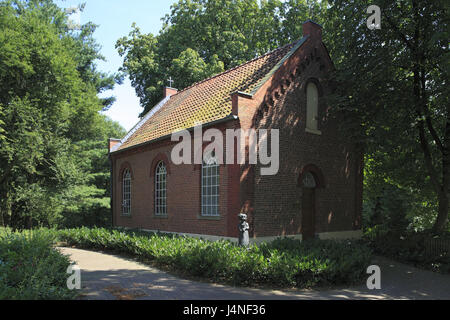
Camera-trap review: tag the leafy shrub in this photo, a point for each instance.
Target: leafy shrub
(87, 212)
(389, 207)
(407, 246)
(30, 268)
(283, 263)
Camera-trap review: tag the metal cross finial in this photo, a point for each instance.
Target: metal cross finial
(170, 82)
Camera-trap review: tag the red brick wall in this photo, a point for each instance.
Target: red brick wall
(277, 199)
(183, 193)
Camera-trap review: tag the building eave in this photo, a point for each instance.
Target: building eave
(204, 125)
(147, 117)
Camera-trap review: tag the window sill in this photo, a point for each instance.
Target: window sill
(200, 217)
(125, 215)
(161, 216)
(313, 131)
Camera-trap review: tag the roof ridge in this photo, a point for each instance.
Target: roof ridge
(208, 100)
(234, 68)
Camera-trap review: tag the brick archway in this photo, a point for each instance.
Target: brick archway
(159, 157)
(125, 165)
(201, 149)
(316, 82)
(316, 172)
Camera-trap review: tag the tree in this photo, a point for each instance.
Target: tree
(392, 84)
(200, 38)
(189, 67)
(51, 130)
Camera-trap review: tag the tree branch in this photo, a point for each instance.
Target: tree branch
(427, 115)
(402, 35)
(428, 158)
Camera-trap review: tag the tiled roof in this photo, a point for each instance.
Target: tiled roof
(208, 100)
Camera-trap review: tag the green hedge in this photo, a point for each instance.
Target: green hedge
(30, 268)
(282, 263)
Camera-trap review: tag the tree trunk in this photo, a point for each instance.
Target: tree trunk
(441, 187)
(4, 209)
(443, 196)
(441, 219)
(419, 91)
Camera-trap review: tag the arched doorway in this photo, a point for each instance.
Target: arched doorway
(309, 185)
(309, 180)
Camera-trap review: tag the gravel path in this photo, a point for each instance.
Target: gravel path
(109, 277)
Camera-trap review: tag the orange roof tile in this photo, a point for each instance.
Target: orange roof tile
(208, 100)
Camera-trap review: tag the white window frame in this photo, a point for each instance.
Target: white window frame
(161, 189)
(210, 186)
(126, 192)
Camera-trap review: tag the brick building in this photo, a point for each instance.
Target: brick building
(317, 190)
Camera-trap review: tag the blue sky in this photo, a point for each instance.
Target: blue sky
(114, 18)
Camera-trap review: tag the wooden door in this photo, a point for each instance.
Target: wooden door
(308, 206)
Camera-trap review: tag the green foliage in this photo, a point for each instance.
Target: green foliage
(30, 269)
(395, 205)
(190, 67)
(53, 152)
(283, 263)
(393, 99)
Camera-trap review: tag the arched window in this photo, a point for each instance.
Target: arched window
(126, 192)
(210, 186)
(309, 181)
(312, 107)
(161, 189)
